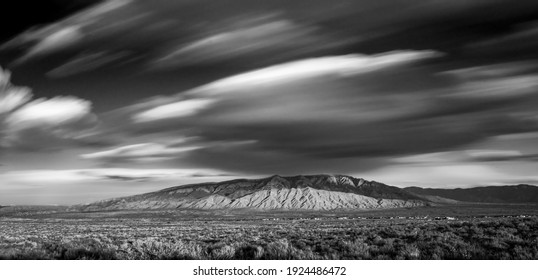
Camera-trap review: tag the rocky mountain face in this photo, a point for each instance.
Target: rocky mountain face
(315, 192)
(491, 194)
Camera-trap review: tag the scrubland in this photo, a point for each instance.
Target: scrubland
(210, 235)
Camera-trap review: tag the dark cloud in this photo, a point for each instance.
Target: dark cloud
(502, 156)
(290, 86)
(334, 113)
(250, 159)
(127, 178)
(252, 38)
(172, 34)
(161, 47)
(468, 156)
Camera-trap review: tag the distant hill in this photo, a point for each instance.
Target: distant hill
(490, 194)
(32, 208)
(313, 192)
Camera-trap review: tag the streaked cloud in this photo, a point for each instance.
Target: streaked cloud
(499, 88)
(465, 156)
(342, 66)
(101, 10)
(338, 107)
(140, 152)
(174, 110)
(492, 153)
(518, 136)
(523, 37)
(11, 97)
(47, 123)
(429, 158)
(65, 34)
(72, 186)
(453, 175)
(500, 155)
(86, 62)
(40, 123)
(252, 37)
(46, 176)
(59, 40)
(268, 80)
(438, 92)
(50, 112)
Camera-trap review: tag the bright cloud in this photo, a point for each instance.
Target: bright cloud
(174, 110)
(53, 112)
(11, 96)
(358, 106)
(289, 87)
(346, 65)
(41, 123)
(276, 99)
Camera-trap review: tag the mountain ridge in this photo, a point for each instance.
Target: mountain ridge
(520, 193)
(309, 192)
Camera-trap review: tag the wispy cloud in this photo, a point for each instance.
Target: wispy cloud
(252, 37)
(57, 41)
(339, 66)
(140, 152)
(174, 110)
(265, 87)
(40, 123)
(45, 177)
(11, 97)
(86, 62)
(523, 37)
(466, 156)
(457, 174)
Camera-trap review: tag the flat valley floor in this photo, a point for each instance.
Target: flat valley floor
(476, 231)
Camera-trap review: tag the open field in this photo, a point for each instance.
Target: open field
(447, 232)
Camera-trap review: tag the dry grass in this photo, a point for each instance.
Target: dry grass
(113, 237)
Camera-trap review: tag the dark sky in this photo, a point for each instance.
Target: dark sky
(431, 93)
(26, 14)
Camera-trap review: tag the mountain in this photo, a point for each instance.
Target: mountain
(314, 192)
(490, 194)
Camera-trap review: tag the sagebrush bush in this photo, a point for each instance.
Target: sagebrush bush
(143, 239)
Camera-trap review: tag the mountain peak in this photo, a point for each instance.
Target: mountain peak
(314, 192)
(277, 181)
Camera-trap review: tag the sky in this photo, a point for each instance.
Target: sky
(101, 99)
